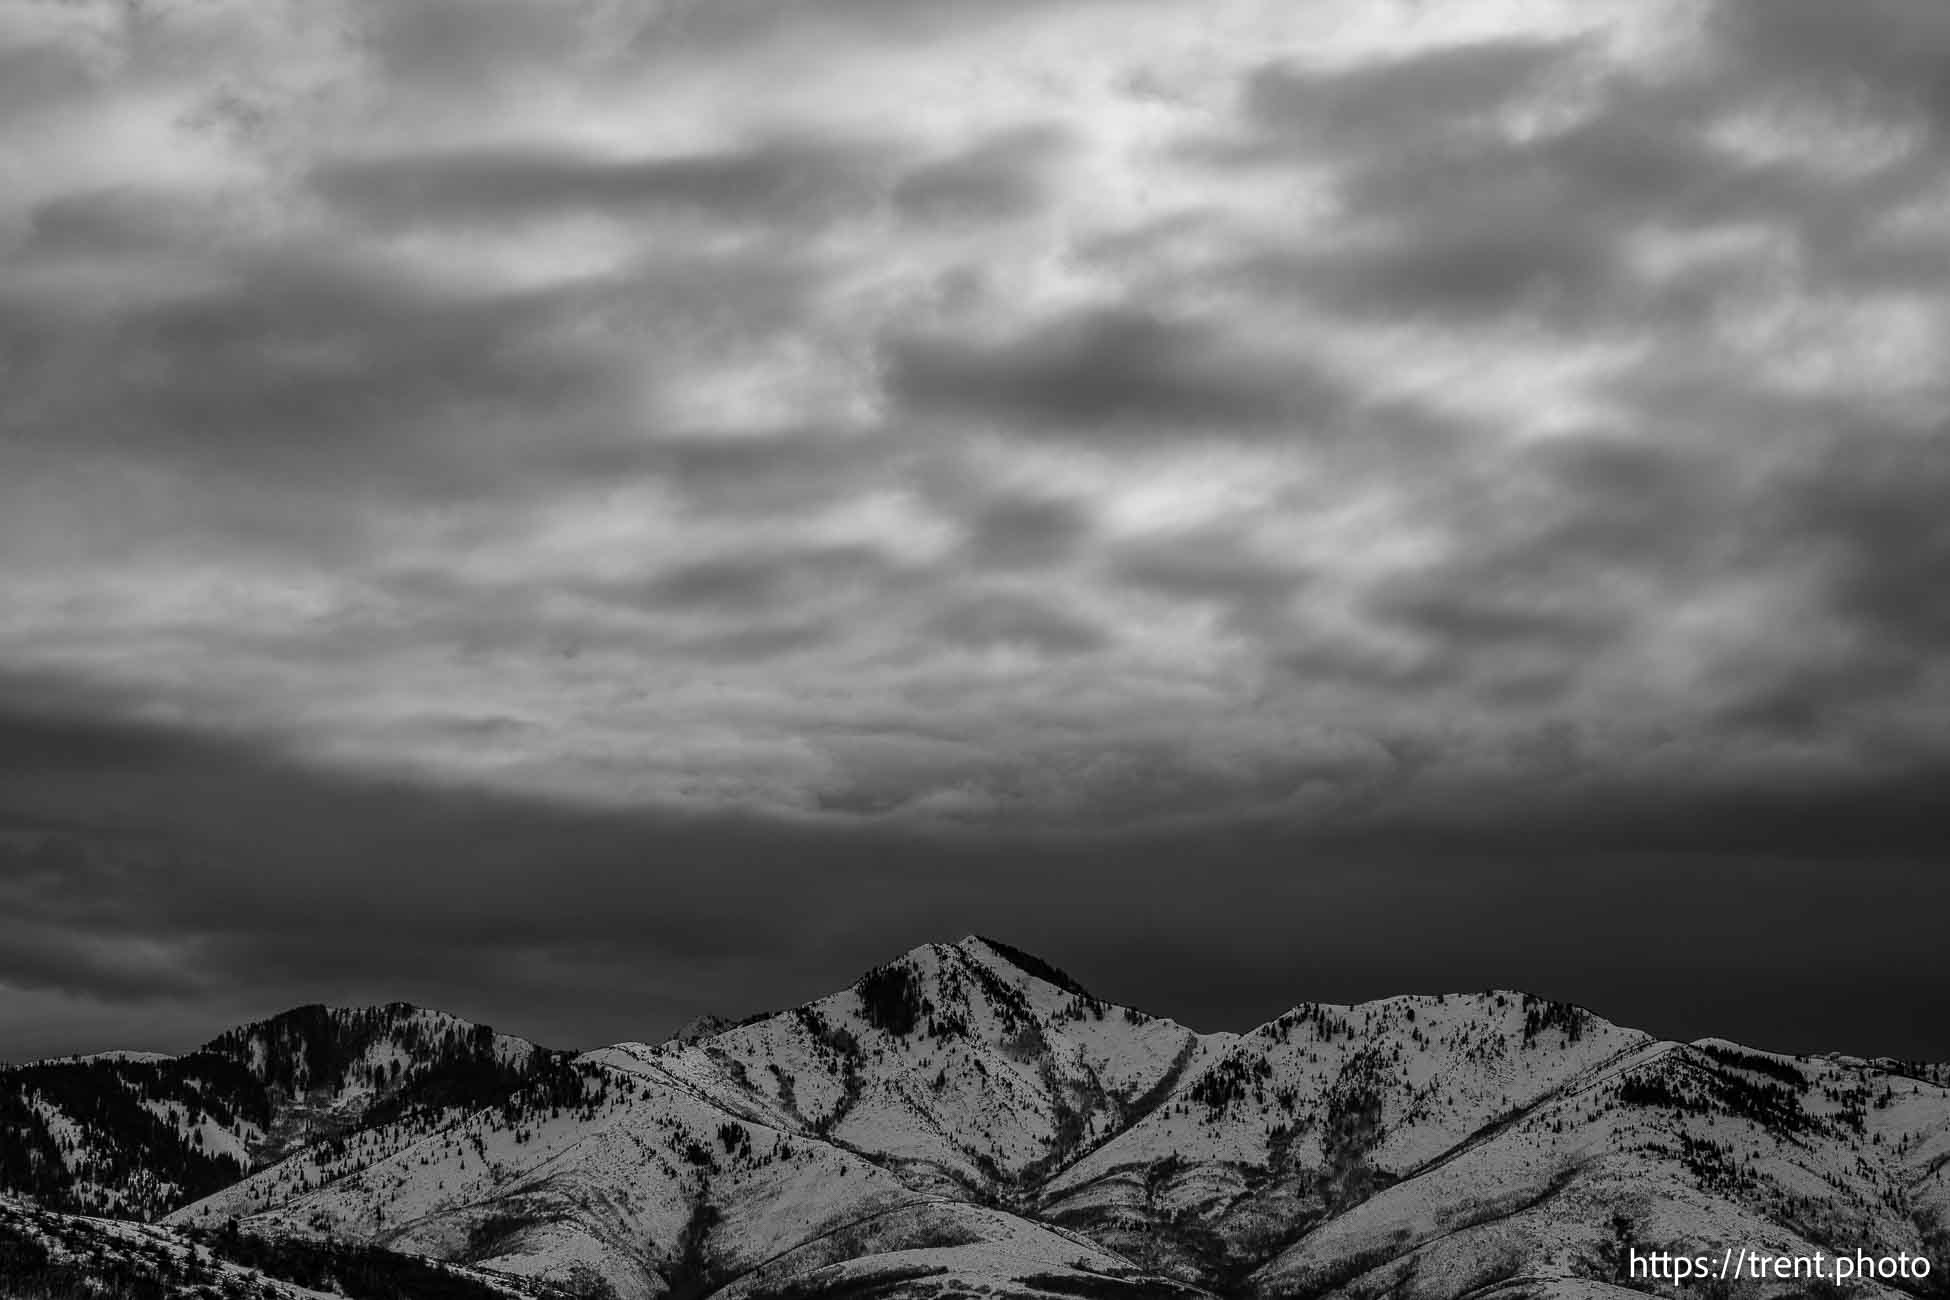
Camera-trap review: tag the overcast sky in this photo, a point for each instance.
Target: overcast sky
(587, 512)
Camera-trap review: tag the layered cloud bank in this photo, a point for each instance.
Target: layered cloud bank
(1386, 422)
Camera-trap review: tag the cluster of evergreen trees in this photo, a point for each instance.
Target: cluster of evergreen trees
(1233, 1079)
(355, 1271)
(1326, 1024)
(1758, 1064)
(1774, 1106)
(890, 999)
(1541, 1014)
(29, 1270)
(125, 1135)
(54, 1258)
(1034, 965)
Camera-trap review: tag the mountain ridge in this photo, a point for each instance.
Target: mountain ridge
(136, 1133)
(967, 1105)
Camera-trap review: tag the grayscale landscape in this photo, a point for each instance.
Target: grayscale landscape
(969, 1120)
(610, 518)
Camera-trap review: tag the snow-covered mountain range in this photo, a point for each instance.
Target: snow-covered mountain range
(139, 1133)
(967, 1119)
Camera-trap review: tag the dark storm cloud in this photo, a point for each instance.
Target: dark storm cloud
(1634, 499)
(461, 43)
(47, 742)
(775, 181)
(291, 386)
(762, 640)
(1024, 532)
(894, 486)
(733, 24)
(760, 473)
(1876, 507)
(1844, 511)
(1573, 545)
(1895, 53)
(1858, 522)
(108, 222)
(306, 884)
(1866, 518)
(1552, 530)
(417, 880)
(997, 179)
(42, 955)
(314, 370)
(1002, 621)
(1113, 373)
(1446, 212)
(1378, 104)
(1812, 697)
(1454, 615)
(768, 580)
(1212, 568)
(35, 75)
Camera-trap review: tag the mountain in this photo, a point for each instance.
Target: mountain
(967, 1119)
(49, 1255)
(701, 1028)
(139, 1133)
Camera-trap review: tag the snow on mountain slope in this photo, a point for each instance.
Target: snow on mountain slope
(137, 1134)
(967, 1118)
(41, 1248)
(957, 1063)
(124, 1137)
(1686, 1148)
(343, 1059)
(114, 1054)
(632, 1179)
(953, 1068)
(49, 1255)
(66, 1135)
(948, 1248)
(698, 1029)
(1315, 1110)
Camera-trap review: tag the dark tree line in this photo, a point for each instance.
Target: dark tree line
(890, 998)
(126, 1112)
(126, 1144)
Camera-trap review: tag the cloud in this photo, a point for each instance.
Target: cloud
(1001, 621)
(994, 180)
(715, 25)
(1379, 103)
(305, 883)
(747, 582)
(766, 473)
(1877, 551)
(1524, 177)
(1871, 503)
(778, 181)
(1893, 52)
(1116, 372)
(1212, 568)
(310, 369)
(1025, 532)
(888, 461)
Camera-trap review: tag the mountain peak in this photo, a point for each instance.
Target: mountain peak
(967, 1107)
(322, 1021)
(1026, 962)
(698, 1029)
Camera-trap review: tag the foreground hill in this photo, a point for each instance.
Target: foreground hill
(48, 1255)
(969, 1120)
(138, 1133)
